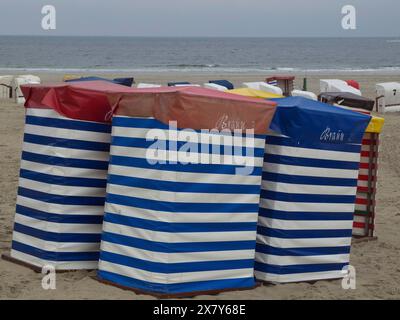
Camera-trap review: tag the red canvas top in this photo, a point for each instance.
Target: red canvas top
(196, 108)
(75, 100)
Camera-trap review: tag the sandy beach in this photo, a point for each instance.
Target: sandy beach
(376, 262)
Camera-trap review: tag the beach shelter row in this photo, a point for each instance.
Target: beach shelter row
(183, 190)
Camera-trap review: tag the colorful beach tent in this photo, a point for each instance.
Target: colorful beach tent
(225, 83)
(308, 191)
(62, 181)
(365, 211)
(248, 92)
(174, 225)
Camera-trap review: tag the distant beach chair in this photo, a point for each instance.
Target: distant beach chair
(215, 86)
(6, 87)
(388, 97)
(284, 82)
(181, 83)
(263, 86)
(336, 85)
(225, 83)
(305, 94)
(16, 86)
(147, 85)
(127, 82)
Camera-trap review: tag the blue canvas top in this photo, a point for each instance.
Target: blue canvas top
(224, 83)
(310, 121)
(121, 81)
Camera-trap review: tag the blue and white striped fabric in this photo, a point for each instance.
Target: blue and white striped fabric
(61, 194)
(177, 228)
(306, 210)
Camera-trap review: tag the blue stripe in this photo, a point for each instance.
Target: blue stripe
(146, 123)
(177, 247)
(180, 267)
(189, 187)
(311, 198)
(65, 162)
(301, 252)
(283, 141)
(196, 168)
(181, 206)
(159, 144)
(68, 124)
(59, 199)
(176, 227)
(54, 256)
(300, 268)
(304, 234)
(319, 181)
(66, 143)
(309, 162)
(58, 218)
(185, 287)
(63, 181)
(57, 237)
(306, 216)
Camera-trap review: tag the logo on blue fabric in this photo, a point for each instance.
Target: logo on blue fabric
(349, 280)
(187, 146)
(49, 278)
(331, 136)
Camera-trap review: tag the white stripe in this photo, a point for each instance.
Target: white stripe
(44, 112)
(174, 135)
(59, 208)
(60, 265)
(60, 190)
(63, 171)
(162, 257)
(188, 217)
(298, 277)
(55, 246)
(307, 188)
(304, 224)
(296, 260)
(312, 153)
(66, 153)
(73, 134)
(171, 278)
(169, 237)
(303, 243)
(310, 171)
(182, 197)
(176, 176)
(154, 156)
(49, 226)
(306, 206)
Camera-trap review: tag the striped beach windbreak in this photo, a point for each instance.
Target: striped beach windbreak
(64, 162)
(365, 209)
(173, 226)
(308, 191)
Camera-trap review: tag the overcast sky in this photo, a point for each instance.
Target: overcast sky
(259, 18)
